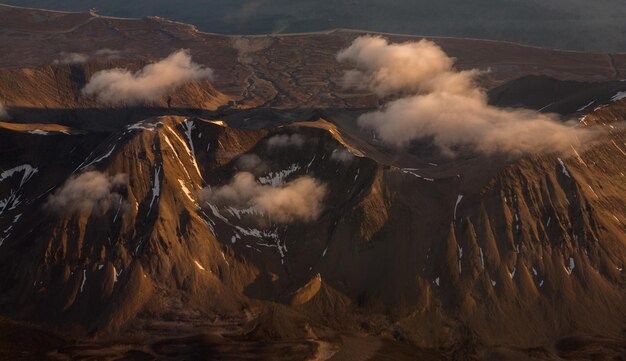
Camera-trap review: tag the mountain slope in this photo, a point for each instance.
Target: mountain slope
(417, 254)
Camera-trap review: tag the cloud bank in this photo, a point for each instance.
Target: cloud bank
(437, 102)
(300, 199)
(121, 86)
(87, 191)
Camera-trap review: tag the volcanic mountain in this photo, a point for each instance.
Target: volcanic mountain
(161, 230)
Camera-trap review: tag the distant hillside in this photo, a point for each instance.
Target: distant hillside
(560, 24)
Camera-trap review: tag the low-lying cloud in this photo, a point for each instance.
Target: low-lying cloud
(298, 200)
(251, 163)
(341, 155)
(437, 102)
(71, 58)
(89, 191)
(285, 140)
(81, 58)
(121, 86)
(107, 54)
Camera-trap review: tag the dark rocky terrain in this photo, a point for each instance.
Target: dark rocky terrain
(558, 24)
(413, 255)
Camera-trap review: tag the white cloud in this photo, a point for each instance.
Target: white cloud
(300, 199)
(71, 58)
(121, 86)
(439, 103)
(107, 53)
(81, 58)
(341, 155)
(87, 191)
(285, 140)
(251, 163)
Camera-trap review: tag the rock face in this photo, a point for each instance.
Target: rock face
(195, 227)
(425, 251)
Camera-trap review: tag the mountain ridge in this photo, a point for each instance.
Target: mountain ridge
(161, 230)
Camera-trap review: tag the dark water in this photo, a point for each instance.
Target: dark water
(596, 25)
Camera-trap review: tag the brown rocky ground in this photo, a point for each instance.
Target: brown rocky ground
(528, 265)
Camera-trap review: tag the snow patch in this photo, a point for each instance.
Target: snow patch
(619, 96)
(199, 265)
(143, 125)
(585, 106)
(216, 212)
(224, 257)
(167, 140)
(116, 274)
(84, 280)
(189, 126)
(156, 187)
(186, 190)
(482, 258)
(618, 148)
(264, 236)
(11, 201)
(245, 211)
(411, 171)
(458, 200)
(564, 169)
(571, 266)
(28, 170)
(593, 191)
(191, 154)
(277, 179)
(546, 106)
(100, 158)
(119, 205)
(310, 163)
(38, 132)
